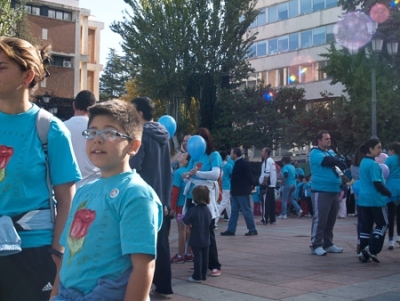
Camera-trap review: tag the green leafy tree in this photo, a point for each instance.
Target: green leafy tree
(10, 19)
(179, 50)
(114, 77)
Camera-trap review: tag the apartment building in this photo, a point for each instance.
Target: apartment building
(291, 36)
(75, 42)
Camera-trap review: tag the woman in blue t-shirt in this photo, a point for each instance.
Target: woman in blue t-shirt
(372, 202)
(393, 184)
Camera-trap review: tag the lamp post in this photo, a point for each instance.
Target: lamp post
(376, 45)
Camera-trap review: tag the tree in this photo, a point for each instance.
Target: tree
(182, 49)
(114, 77)
(9, 18)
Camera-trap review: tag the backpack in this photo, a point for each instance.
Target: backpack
(43, 121)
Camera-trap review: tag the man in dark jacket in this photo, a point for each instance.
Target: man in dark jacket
(153, 164)
(242, 183)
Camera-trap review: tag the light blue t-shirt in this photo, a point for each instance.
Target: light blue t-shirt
(324, 178)
(393, 181)
(177, 181)
(110, 219)
(291, 179)
(370, 172)
(299, 172)
(307, 189)
(206, 163)
(226, 176)
(23, 183)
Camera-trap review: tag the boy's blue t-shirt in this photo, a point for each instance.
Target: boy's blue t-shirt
(226, 176)
(324, 179)
(393, 181)
(23, 179)
(307, 189)
(206, 163)
(110, 219)
(291, 179)
(177, 181)
(370, 172)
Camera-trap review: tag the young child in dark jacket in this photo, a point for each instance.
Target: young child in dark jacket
(199, 219)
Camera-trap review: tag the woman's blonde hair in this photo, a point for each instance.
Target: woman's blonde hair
(27, 57)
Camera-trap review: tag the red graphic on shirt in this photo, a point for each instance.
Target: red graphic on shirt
(83, 218)
(198, 166)
(5, 156)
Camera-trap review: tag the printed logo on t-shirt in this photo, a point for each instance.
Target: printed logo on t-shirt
(5, 156)
(114, 193)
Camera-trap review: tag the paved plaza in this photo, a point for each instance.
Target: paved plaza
(277, 265)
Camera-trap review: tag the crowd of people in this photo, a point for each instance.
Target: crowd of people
(86, 212)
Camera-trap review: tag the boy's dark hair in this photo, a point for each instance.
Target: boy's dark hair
(145, 105)
(122, 112)
(201, 195)
(84, 100)
(237, 151)
(285, 159)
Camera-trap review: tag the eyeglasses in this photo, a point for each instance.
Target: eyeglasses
(109, 135)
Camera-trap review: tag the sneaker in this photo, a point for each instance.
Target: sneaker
(188, 257)
(227, 233)
(226, 220)
(178, 259)
(191, 279)
(215, 273)
(318, 251)
(374, 257)
(362, 258)
(282, 216)
(391, 245)
(398, 239)
(333, 249)
(251, 233)
(299, 213)
(165, 296)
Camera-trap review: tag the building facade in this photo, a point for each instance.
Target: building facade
(291, 36)
(75, 46)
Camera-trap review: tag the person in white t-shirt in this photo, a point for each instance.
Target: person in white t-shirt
(267, 182)
(76, 125)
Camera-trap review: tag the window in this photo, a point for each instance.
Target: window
(283, 44)
(319, 36)
(253, 24)
(273, 14)
(306, 38)
(318, 5)
(329, 34)
(262, 17)
(252, 51)
(35, 10)
(52, 13)
(67, 16)
(331, 3)
(272, 46)
(321, 74)
(306, 73)
(305, 7)
(28, 9)
(294, 41)
(293, 77)
(293, 8)
(283, 11)
(59, 15)
(261, 48)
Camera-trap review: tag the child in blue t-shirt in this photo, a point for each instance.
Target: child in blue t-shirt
(198, 218)
(372, 202)
(114, 220)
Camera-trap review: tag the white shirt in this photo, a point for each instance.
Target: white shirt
(268, 169)
(76, 125)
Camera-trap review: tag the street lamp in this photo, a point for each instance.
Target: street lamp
(46, 97)
(376, 45)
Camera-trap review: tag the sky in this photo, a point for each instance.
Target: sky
(106, 12)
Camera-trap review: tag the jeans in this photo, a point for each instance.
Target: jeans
(287, 194)
(241, 202)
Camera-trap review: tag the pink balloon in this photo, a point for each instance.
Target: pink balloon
(381, 158)
(385, 170)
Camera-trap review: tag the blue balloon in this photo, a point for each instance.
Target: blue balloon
(169, 123)
(356, 187)
(196, 147)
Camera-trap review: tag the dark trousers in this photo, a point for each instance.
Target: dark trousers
(213, 262)
(369, 236)
(27, 275)
(162, 275)
(200, 263)
(393, 212)
(268, 206)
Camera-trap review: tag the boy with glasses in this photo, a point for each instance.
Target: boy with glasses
(110, 236)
